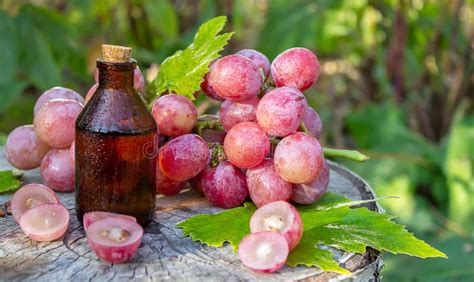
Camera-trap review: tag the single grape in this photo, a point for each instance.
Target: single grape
(45, 222)
(57, 93)
(313, 123)
(166, 186)
(308, 193)
(138, 80)
(266, 186)
(281, 111)
(174, 114)
(258, 59)
(23, 149)
(235, 77)
(295, 67)
(224, 185)
(207, 89)
(114, 239)
(232, 113)
(55, 122)
(298, 158)
(246, 145)
(281, 217)
(91, 92)
(263, 251)
(57, 170)
(184, 157)
(30, 196)
(92, 217)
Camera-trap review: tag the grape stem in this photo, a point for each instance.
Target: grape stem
(207, 124)
(352, 155)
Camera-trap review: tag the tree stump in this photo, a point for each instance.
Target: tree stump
(164, 253)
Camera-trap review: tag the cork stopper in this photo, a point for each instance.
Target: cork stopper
(116, 54)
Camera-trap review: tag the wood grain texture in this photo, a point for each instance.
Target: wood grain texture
(164, 254)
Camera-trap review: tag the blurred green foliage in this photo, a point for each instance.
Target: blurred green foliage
(396, 83)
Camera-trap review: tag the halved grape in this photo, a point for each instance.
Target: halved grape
(175, 115)
(30, 196)
(232, 113)
(91, 92)
(295, 67)
(266, 186)
(263, 251)
(92, 217)
(114, 239)
(313, 123)
(281, 111)
(57, 170)
(235, 77)
(281, 217)
(57, 93)
(308, 193)
(55, 122)
(23, 149)
(298, 158)
(166, 186)
(207, 89)
(258, 59)
(184, 157)
(224, 185)
(45, 222)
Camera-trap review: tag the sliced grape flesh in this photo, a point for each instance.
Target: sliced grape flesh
(45, 222)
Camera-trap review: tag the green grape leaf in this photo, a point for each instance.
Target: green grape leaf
(9, 180)
(216, 229)
(183, 72)
(329, 222)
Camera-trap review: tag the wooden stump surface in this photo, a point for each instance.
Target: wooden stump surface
(164, 254)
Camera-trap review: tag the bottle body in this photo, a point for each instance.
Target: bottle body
(115, 135)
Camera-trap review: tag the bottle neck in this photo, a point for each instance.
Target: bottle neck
(116, 75)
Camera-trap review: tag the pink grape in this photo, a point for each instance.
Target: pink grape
(114, 239)
(263, 251)
(30, 196)
(55, 122)
(246, 145)
(57, 93)
(281, 217)
(184, 157)
(266, 186)
(166, 186)
(92, 217)
(23, 149)
(91, 92)
(138, 80)
(298, 158)
(57, 170)
(313, 123)
(281, 111)
(175, 115)
(72, 152)
(45, 222)
(295, 67)
(309, 193)
(258, 59)
(235, 77)
(207, 89)
(224, 185)
(232, 113)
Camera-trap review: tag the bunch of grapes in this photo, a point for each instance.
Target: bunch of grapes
(263, 142)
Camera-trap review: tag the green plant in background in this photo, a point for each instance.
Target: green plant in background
(396, 83)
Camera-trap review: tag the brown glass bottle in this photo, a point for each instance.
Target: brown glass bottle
(115, 133)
